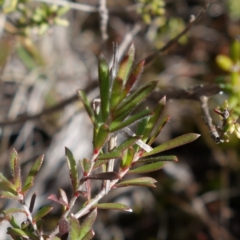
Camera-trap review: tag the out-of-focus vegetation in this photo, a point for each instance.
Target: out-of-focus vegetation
(43, 64)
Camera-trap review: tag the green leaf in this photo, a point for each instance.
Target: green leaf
(158, 158)
(126, 64)
(13, 222)
(6, 185)
(117, 93)
(86, 226)
(74, 228)
(10, 211)
(42, 212)
(158, 130)
(89, 235)
(134, 99)
(104, 81)
(113, 206)
(116, 125)
(235, 50)
(72, 168)
(143, 181)
(135, 73)
(101, 137)
(32, 174)
(9, 195)
(118, 151)
(127, 158)
(176, 142)
(99, 163)
(154, 119)
(14, 163)
(87, 106)
(85, 165)
(148, 168)
(16, 232)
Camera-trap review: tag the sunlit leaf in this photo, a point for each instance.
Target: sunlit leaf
(74, 228)
(42, 212)
(176, 142)
(104, 81)
(6, 185)
(148, 168)
(117, 93)
(9, 195)
(143, 181)
(89, 235)
(32, 174)
(86, 226)
(14, 210)
(85, 165)
(14, 163)
(72, 168)
(113, 206)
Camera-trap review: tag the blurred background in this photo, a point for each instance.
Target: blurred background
(48, 52)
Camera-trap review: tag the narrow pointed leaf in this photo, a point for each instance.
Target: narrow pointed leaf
(110, 155)
(87, 106)
(143, 181)
(115, 125)
(6, 185)
(72, 168)
(127, 158)
(74, 228)
(176, 142)
(148, 168)
(89, 235)
(158, 158)
(117, 93)
(14, 163)
(14, 210)
(85, 165)
(134, 75)
(86, 226)
(13, 222)
(126, 64)
(134, 99)
(101, 137)
(154, 119)
(99, 163)
(158, 129)
(8, 195)
(104, 176)
(118, 151)
(16, 232)
(32, 174)
(104, 81)
(113, 206)
(42, 212)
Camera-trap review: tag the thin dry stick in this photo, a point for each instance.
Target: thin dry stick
(103, 11)
(208, 120)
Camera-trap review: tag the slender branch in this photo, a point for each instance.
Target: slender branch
(175, 40)
(208, 120)
(103, 11)
(76, 6)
